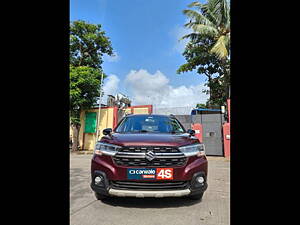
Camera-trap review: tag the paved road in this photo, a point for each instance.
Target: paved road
(86, 210)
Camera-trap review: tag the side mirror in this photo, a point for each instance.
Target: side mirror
(191, 132)
(107, 131)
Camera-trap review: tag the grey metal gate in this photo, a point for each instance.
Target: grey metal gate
(212, 132)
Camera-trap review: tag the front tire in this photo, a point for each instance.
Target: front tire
(100, 196)
(197, 196)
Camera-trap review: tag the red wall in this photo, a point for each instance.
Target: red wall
(150, 108)
(226, 132)
(228, 108)
(226, 139)
(197, 127)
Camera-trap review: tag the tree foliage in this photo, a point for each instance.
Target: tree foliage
(199, 52)
(84, 89)
(200, 105)
(88, 43)
(217, 71)
(211, 20)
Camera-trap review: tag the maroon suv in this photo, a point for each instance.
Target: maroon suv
(149, 156)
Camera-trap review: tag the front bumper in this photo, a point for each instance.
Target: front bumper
(105, 164)
(144, 193)
(105, 188)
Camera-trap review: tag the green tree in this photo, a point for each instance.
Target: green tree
(211, 26)
(84, 92)
(88, 44)
(200, 105)
(217, 71)
(211, 20)
(84, 89)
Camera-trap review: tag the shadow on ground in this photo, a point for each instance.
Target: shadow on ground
(150, 202)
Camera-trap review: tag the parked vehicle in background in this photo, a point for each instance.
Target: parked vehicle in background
(149, 156)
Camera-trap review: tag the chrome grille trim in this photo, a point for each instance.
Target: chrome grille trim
(163, 156)
(143, 155)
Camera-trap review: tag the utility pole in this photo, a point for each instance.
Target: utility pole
(99, 112)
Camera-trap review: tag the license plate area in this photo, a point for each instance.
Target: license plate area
(150, 173)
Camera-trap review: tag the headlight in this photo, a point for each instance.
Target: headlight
(106, 149)
(191, 150)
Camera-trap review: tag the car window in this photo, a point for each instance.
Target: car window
(150, 123)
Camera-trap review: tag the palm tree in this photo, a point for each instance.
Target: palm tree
(211, 20)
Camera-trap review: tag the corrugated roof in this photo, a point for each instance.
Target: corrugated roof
(205, 111)
(202, 109)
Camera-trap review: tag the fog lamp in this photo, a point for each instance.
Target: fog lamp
(98, 180)
(200, 180)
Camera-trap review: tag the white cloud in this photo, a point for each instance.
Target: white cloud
(111, 83)
(147, 88)
(110, 87)
(114, 58)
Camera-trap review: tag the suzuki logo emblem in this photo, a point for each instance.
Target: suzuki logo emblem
(150, 155)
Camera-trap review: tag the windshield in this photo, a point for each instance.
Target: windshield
(150, 123)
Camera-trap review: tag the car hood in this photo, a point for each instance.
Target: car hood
(150, 139)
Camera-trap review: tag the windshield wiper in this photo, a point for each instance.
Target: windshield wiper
(143, 131)
(139, 131)
(175, 132)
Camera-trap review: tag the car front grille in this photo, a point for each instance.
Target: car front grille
(150, 156)
(140, 185)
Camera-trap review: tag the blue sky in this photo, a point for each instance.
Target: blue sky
(144, 36)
